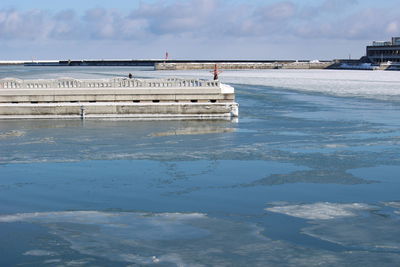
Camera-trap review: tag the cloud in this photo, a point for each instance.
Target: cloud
(101, 23)
(64, 25)
(205, 20)
(278, 11)
(366, 24)
(15, 24)
(182, 17)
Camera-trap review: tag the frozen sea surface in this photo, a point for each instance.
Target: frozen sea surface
(308, 176)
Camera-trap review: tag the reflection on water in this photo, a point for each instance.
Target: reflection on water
(313, 176)
(42, 140)
(194, 131)
(110, 193)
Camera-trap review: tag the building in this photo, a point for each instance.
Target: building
(384, 51)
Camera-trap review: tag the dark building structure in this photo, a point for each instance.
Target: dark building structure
(381, 52)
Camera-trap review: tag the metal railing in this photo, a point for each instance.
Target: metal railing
(10, 83)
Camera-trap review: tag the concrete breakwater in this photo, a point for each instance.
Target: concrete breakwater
(172, 64)
(247, 65)
(116, 98)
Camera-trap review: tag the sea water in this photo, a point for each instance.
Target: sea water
(309, 175)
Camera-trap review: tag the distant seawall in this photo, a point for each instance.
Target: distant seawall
(184, 64)
(11, 62)
(160, 64)
(25, 62)
(247, 65)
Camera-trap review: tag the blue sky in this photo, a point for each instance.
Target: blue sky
(252, 29)
(123, 4)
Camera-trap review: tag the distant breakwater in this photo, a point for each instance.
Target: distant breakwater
(242, 65)
(160, 64)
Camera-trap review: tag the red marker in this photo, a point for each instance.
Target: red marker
(216, 72)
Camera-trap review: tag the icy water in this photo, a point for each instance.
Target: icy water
(308, 176)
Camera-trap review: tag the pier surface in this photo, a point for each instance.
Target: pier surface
(117, 97)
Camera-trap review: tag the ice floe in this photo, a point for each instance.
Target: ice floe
(175, 239)
(352, 225)
(320, 211)
(139, 238)
(395, 205)
(372, 232)
(13, 133)
(39, 253)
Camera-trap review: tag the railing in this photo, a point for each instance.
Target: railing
(111, 83)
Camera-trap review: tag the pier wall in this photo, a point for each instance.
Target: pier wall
(118, 110)
(116, 98)
(239, 66)
(113, 90)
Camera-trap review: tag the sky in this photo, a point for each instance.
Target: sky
(194, 29)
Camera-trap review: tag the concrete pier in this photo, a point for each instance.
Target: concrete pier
(116, 98)
(172, 64)
(182, 64)
(241, 66)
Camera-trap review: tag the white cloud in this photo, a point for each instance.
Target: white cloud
(279, 11)
(393, 27)
(203, 19)
(287, 27)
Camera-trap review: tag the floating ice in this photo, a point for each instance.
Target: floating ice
(9, 134)
(320, 211)
(141, 238)
(394, 204)
(52, 261)
(174, 239)
(39, 253)
(353, 227)
(373, 231)
(336, 145)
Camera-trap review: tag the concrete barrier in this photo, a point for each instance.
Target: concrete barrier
(240, 66)
(118, 97)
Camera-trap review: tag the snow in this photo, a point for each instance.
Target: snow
(320, 211)
(382, 85)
